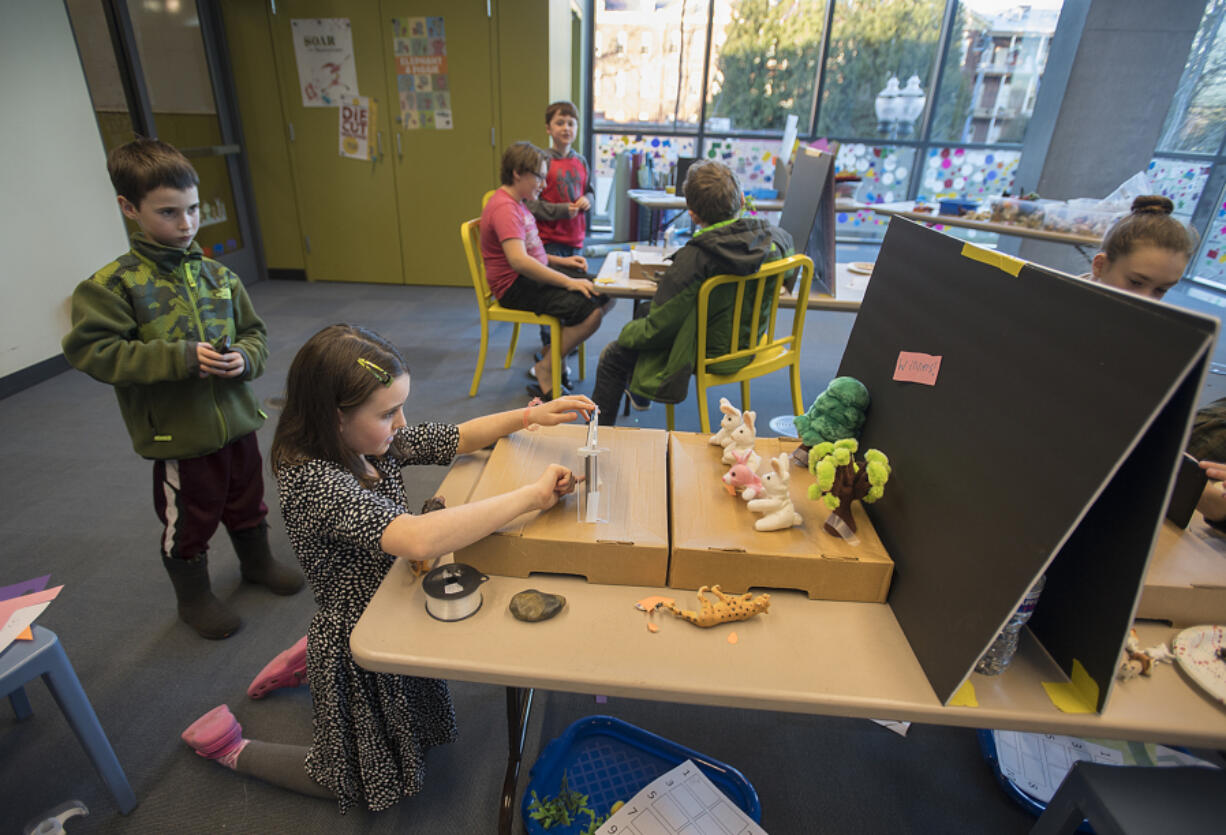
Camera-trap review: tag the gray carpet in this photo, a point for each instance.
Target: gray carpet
(77, 505)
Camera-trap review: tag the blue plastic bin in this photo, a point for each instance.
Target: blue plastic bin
(610, 760)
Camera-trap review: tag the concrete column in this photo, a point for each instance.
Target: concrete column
(1113, 70)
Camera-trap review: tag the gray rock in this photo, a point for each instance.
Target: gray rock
(533, 605)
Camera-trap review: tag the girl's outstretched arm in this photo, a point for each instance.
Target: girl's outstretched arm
(479, 433)
(431, 535)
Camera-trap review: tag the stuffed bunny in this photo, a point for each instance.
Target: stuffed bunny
(740, 476)
(741, 439)
(777, 505)
(731, 420)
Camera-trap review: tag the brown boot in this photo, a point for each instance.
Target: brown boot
(258, 565)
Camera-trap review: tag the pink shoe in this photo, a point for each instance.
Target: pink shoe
(215, 734)
(286, 670)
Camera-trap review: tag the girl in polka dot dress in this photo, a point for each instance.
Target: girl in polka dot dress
(338, 452)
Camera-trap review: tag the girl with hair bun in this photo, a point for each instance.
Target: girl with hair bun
(1146, 251)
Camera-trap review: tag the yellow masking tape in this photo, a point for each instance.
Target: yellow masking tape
(992, 258)
(965, 697)
(1077, 696)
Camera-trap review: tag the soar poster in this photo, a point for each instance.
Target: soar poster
(420, 47)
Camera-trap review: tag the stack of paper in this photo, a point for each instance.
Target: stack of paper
(20, 604)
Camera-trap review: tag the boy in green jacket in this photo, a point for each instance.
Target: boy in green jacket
(176, 335)
(654, 356)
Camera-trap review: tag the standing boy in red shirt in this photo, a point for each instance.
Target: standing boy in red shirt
(561, 210)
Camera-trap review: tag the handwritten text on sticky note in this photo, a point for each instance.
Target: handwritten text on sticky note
(917, 368)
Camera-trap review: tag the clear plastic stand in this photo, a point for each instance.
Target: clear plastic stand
(593, 504)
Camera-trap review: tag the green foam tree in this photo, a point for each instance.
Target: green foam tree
(841, 478)
(837, 413)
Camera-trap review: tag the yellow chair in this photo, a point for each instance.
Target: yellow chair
(490, 310)
(769, 353)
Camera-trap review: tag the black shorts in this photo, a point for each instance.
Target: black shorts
(570, 306)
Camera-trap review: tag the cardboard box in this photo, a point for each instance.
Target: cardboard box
(1185, 582)
(714, 540)
(631, 548)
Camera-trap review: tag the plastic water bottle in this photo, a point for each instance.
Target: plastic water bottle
(996, 660)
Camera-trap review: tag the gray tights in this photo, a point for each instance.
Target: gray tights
(280, 765)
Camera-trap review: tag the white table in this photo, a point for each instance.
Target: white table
(804, 656)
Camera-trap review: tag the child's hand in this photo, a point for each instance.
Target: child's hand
(582, 204)
(577, 262)
(556, 481)
(219, 365)
(572, 209)
(582, 285)
(563, 410)
(1214, 470)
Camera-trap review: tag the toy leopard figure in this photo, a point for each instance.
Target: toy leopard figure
(728, 608)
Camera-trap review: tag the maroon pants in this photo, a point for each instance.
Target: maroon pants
(192, 495)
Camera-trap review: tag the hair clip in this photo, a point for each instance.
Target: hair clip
(379, 374)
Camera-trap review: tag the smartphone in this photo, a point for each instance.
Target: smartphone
(222, 344)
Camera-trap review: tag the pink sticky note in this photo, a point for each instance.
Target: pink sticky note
(917, 368)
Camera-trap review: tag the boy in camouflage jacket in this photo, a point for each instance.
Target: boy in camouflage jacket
(176, 335)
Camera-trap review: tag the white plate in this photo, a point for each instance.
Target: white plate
(1197, 651)
(860, 267)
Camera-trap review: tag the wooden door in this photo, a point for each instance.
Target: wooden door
(348, 210)
(441, 173)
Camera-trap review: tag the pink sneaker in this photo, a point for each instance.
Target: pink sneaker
(286, 670)
(215, 734)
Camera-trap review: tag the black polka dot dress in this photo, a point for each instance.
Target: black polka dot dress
(371, 730)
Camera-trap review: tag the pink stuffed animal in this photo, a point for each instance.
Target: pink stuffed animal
(741, 476)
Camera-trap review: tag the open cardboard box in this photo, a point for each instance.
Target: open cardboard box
(630, 548)
(714, 540)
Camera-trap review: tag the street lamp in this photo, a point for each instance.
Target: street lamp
(898, 109)
(887, 107)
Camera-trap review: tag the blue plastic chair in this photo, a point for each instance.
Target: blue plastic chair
(24, 661)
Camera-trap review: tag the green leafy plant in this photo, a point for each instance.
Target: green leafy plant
(564, 809)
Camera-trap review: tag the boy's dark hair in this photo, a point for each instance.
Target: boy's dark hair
(142, 165)
(521, 158)
(331, 372)
(712, 191)
(1149, 224)
(563, 107)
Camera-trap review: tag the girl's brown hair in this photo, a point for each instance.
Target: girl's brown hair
(332, 371)
(1149, 224)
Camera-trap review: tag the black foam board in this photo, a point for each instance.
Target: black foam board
(1052, 434)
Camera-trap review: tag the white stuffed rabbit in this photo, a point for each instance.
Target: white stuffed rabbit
(741, 439)
(731, 420)
(777, 506)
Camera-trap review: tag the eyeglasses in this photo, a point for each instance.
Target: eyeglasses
(379, 374)
(539, 176)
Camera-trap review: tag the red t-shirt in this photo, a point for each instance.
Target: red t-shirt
(566, 183)
(503, 218)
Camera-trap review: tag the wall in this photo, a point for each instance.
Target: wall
(60, 221)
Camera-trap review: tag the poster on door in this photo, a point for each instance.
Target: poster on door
(357, 122)
(323, 49)
(419, 45)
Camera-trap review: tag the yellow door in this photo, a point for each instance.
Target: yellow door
(441, 173)
(347, 207)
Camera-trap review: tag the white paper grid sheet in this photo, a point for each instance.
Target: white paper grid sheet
(1038, 763)
(680, 802)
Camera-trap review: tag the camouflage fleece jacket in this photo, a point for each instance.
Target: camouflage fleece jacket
(135, 325)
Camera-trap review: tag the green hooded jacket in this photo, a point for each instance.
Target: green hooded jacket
(135, 325)
(667, 338)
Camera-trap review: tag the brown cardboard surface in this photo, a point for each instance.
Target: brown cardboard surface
(1185, 583)
(714, 540)
(631, 548)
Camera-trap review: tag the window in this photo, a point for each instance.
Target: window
(912, 119)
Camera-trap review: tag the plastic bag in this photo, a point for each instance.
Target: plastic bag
(1121, 199)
